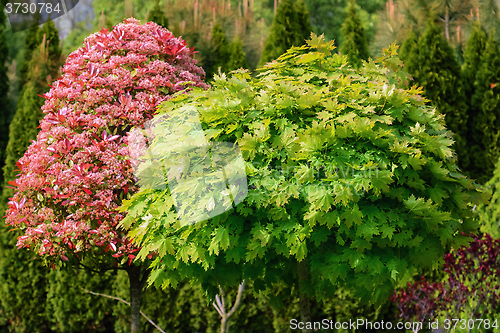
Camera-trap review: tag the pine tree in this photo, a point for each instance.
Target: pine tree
(286, 31)
(354, 45)
(237, 55)
(439, 74)
(157, 16)
(219, 55)
(4, 90)
(485, 123)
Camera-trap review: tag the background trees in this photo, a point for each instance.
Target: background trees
(4, 91)
(433, 66)
(77, 214)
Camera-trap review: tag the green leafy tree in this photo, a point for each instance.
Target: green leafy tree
(236, 54)
(354, 44)
(485, 121)
(286, 31)
(157, 16)
(350, 177)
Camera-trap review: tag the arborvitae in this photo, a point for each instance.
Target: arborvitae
(4, 90)
(439, 74)
(31, 42)
(286, 31)
(354, 44)
(304, 22)
(157, 16)
(409, 54)
(24, 280)
(219, 55)
(472, 57)
(485, 123)
(237, 55)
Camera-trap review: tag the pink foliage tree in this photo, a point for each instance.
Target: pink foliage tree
(77, 172)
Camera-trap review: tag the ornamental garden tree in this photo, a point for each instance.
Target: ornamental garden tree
(351, 183)
(76, 173)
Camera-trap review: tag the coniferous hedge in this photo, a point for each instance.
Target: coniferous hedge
(289, 29)
(354, 44)
(485, 122)
(433, 66)
(4, 90)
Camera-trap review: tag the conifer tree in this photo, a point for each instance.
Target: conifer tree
(474, 49)
(354, 44)
(25, 280)
(304, 22)
(219, 55)
(157, 16)
(31, 43)
(286, 30)
(472, 58)
(409, 53)
(237, 55)
(4, 90)
(485, 123)
(439, 74)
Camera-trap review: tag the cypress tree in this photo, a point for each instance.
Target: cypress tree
(472, 57)
(4, 90)
(439, 74)
(304, 22)
(354, 45)
(486, 122)
(157, 16)
(31, 43)
(286, 31)
(474, 49)
(409, 53)
(219, 54)
(237, 55)
(23, 294)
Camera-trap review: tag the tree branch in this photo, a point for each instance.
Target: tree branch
(124, 301)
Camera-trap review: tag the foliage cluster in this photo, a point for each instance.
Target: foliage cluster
(75, 174)
(470, 290)
(348, 169)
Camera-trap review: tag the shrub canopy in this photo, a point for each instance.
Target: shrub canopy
(346, 167)
(74, 176)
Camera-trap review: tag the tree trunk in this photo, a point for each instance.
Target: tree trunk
(305, 305)
(447, 23)
(134, 276)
